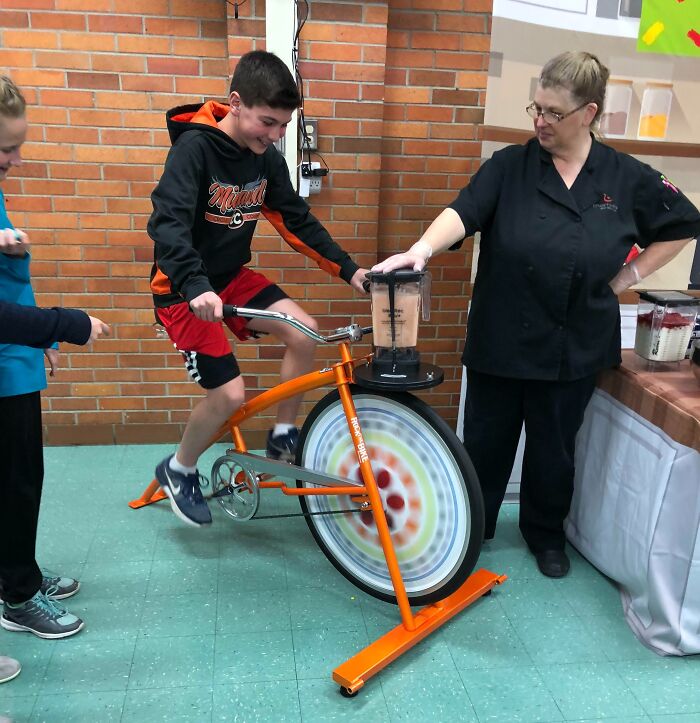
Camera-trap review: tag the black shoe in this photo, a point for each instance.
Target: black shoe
(283, 446)
(553, 563)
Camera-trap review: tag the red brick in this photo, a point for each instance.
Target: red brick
(115, 24)
(9, 19)
(88, 41)
(29, 39)
(61, 59)
(118, 63)
(58, 21)
(103, 81)
(335, 12)
(49, 78)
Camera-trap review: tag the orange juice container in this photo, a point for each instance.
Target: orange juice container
(616, 111)
(655, 112)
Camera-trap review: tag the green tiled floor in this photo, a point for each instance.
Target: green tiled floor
(245, 622)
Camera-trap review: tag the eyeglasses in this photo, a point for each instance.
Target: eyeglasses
(549, 116)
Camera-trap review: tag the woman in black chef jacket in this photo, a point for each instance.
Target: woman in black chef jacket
(558, 217)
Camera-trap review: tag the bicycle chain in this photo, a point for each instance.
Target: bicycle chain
(215, 495)
(305, 514)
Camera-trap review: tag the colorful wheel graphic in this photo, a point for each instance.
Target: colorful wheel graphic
(431, 497)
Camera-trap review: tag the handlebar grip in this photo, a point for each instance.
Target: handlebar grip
(366, 285)
(230, 310)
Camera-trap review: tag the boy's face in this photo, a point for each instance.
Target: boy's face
(259, 126)
(13, 131)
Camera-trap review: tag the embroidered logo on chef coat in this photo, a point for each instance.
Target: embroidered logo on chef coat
(668, 184)
(606, 204)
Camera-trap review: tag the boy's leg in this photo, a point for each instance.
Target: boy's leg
(209, 361)
(298, 359)
(206, 419)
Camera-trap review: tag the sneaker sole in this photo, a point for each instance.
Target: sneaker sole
(7, 680)
(64, 595)
(178, 512)
(60, 596)
(17, 628)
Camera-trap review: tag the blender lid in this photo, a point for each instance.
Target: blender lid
(669, 298)
(400, 275)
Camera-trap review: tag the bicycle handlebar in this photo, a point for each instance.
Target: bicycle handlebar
(353, 332)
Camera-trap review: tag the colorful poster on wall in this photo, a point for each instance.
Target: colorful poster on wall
(671, 27)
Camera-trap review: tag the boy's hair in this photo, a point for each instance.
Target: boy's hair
(261, 78)
(12, 103)
(581, 73)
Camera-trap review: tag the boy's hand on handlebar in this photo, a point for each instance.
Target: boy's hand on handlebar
(208, 307)
(99, 328)
(359, 281)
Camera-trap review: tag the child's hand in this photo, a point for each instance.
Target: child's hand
(99, 328)
(359, 281)
(13, 242)
(208, 307)
(52, 356)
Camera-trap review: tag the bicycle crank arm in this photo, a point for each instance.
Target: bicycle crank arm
(285, 469)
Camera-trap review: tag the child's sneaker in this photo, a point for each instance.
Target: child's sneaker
(58, 587)
(9, 669)
(42, 616)
(283, 446)
(185, 494)
(61, 587)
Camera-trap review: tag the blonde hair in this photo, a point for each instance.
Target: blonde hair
(581, 73)
(12, 102)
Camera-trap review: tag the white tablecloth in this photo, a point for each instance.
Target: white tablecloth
(635, 516)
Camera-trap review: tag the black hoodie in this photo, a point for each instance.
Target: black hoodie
(207, 203)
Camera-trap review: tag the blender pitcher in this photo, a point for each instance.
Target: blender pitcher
(399, 299)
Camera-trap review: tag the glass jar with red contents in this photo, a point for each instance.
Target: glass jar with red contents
(665, 322)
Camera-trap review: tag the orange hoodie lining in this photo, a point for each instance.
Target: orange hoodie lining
(160, 283)
(206, 115)
(275, 218)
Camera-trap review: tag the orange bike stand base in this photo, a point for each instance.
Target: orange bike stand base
(354, 673)
(153, 493)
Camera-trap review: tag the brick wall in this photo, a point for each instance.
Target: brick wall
(398, 90)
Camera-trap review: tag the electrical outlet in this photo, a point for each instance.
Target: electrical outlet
(311, 135)
(315, 185)
(309, 185)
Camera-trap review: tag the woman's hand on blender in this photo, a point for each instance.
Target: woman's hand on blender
(415, 258)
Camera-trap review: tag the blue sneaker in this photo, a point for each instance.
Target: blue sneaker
(52, 585)
(283, 446)
(42, 616)
(185, 494)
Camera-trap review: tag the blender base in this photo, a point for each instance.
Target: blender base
(423, 376)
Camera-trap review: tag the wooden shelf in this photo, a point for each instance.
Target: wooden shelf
(625, 145)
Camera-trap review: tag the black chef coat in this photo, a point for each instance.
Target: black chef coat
(542, 307)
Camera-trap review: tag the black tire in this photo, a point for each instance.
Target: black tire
(430, 490)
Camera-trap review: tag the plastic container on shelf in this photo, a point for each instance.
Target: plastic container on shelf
(616, 111)
(665, 321)
(655, 112)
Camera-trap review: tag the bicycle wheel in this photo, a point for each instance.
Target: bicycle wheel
(430, 491)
